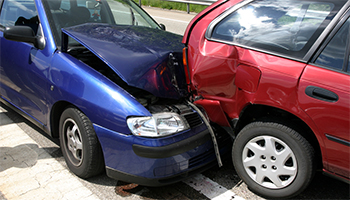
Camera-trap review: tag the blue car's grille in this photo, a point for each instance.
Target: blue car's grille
(193, 119)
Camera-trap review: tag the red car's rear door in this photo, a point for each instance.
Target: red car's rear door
(324, 93)
(326, 98)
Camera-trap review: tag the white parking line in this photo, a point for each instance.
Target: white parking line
(211, 189)
(155, 17)
(174, 20)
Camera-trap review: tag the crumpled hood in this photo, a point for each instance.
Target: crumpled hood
(143, 57)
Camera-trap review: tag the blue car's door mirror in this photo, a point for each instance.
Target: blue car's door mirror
(162, 26)
(23, 34)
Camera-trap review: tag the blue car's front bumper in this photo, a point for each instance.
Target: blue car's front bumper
(158, 161)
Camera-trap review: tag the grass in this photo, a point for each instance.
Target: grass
(171, 5)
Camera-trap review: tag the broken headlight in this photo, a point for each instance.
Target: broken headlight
(158, 125)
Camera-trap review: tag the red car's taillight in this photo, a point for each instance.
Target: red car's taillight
(186, 68)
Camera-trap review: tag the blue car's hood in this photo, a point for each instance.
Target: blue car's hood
(139, 55)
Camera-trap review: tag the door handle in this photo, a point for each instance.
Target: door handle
(321, 94)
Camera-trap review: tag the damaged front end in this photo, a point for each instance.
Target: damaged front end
(174, 138)
(159, 87)
(132, 57)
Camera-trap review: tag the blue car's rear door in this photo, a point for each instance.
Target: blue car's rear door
(23, 70)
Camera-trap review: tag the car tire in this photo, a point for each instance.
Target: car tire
(79, 144)
(273, 159)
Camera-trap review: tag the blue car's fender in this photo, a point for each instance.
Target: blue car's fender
(101, 100)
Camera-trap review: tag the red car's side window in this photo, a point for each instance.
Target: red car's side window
(290, 30)
(335, 53)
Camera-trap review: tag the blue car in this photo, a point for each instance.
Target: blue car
(107, 80)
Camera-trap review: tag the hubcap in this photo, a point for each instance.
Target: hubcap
(73, 142)
(269, 162)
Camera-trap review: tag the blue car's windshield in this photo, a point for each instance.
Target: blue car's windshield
(65, 13)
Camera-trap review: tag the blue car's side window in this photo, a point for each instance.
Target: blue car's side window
(19, 13)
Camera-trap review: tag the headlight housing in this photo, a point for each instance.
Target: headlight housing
(160, 124)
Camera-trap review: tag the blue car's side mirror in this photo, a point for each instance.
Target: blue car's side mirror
(162, 26)
(23, 34)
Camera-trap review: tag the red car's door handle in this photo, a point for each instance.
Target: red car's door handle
(321, 94)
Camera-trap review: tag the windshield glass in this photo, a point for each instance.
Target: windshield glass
(283, 26)
(66, 13)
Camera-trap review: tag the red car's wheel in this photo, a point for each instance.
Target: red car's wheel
(274, 160)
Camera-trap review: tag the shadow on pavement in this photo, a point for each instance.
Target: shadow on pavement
(22, 156)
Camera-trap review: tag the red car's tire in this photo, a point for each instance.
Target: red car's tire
(273, 159)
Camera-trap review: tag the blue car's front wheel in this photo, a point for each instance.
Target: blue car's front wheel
(79, 144)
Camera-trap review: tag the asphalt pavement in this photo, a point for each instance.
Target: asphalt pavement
(174, 21)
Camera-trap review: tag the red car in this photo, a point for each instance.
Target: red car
(275, 73)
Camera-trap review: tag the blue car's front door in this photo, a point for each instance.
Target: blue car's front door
(23, 70)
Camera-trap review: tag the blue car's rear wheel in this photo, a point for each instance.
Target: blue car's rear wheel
(80, 147)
